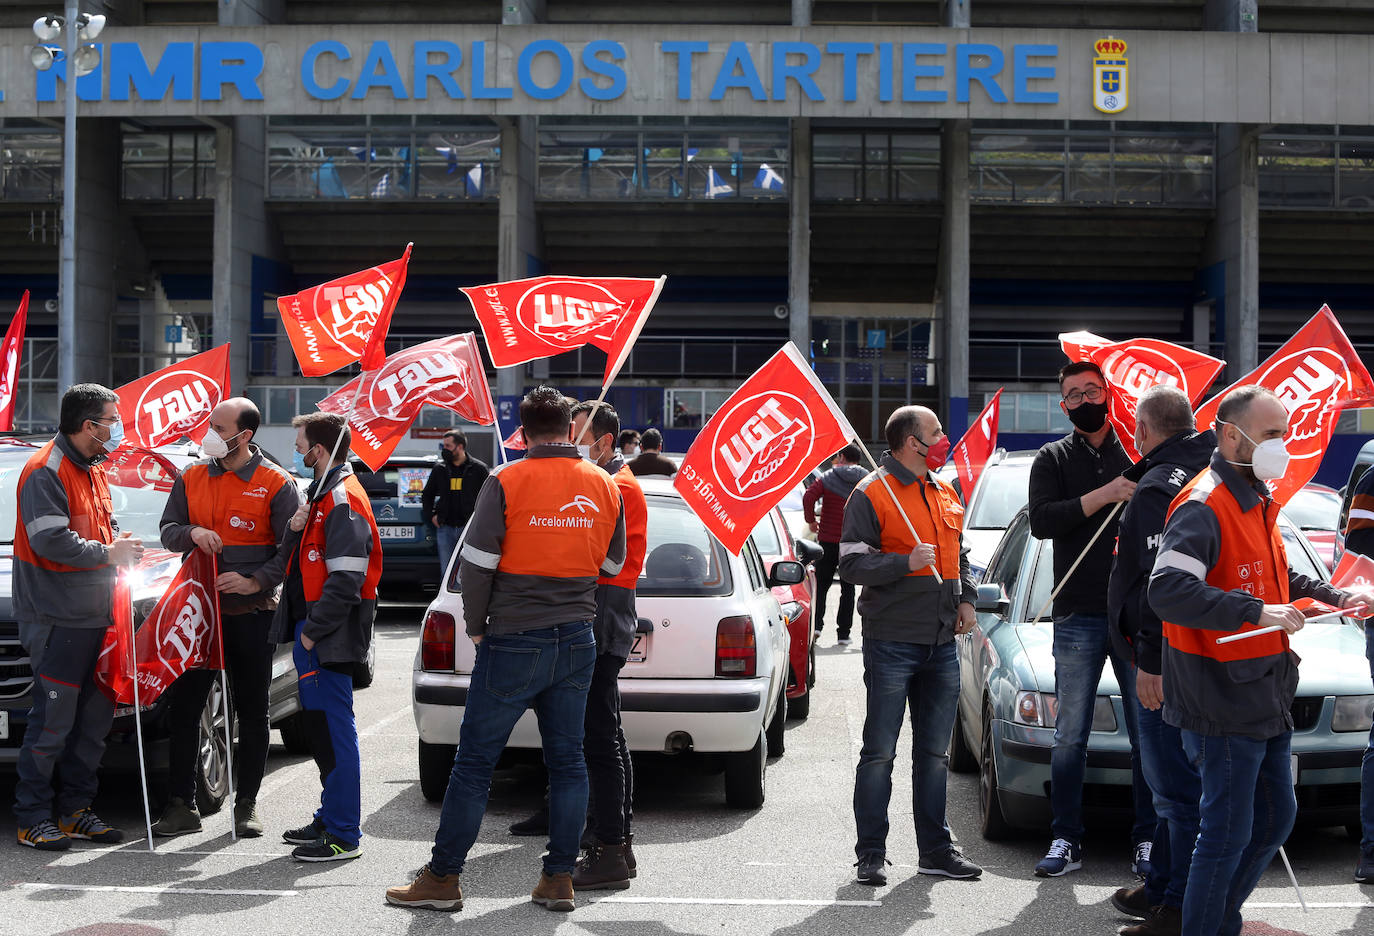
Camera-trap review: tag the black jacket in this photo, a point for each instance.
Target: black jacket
(451, 492)
(1134, 626)
(1063, 471)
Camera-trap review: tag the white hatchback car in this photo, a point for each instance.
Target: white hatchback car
(707, 673)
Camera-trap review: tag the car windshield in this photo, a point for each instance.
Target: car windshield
(681, 558)
(1315, 510)
(1299, 560)
(766, 538)
(1002, 491)
(138, 510)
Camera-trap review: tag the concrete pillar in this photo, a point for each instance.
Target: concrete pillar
(1202, 327)
(956, 14)
(520, 12)
(799, 237)
(1231, 15)
(953, 304)
(801, 12)
(1232, 252)
(98, 156)
(519, 244)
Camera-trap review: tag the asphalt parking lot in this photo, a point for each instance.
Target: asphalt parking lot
(783, 869)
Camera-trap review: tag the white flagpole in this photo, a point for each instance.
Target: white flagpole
(228, 716)
(900, 509)
(596, 404)
(1076, 563)
(348, 415)
(138, 727)
(1293, 877)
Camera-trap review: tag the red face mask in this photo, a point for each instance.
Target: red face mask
(937, 453)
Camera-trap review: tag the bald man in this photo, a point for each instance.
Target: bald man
(233, 505)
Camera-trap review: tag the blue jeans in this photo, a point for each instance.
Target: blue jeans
(549, 670)
(1247, 811)
(927, 677)
(1081, 648)
(1174, 782)
(327, 702)
(1367, 770)
(447, 539)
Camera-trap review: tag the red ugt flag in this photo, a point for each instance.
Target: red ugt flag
(175, 401)
(525, 320)
(976, 447)
(1134, 366)
(1315, 374)
(344, 320)
(759, 445)
(516, 440)
(181, 633)
(446, 372)
(9, 363)
(1354, 571)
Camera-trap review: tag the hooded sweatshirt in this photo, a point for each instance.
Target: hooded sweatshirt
(832, 489)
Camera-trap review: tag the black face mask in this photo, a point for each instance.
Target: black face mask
(1089, 417)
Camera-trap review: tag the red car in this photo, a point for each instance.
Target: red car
(1316, 510)
(775, 543)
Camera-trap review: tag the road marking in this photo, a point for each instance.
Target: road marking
(1294, 905)
(285, 778)
(740, 902)
(193, 891)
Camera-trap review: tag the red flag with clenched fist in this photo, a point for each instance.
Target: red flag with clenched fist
(446, 372)
(9, 363)
(344, 320)
(1315, 374)
(525, 320)
(759, 445)
(180, 634)
(976, 447)
(175, 401)
(1354, 571)
(1134, 366)
(516, 440)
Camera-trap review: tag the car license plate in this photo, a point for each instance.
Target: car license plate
(396, 532)
(639, 650)
(4, 725)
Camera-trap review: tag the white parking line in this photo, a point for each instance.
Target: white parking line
(1294, 905)
(193, 891)
(285, 778)
(740, 902)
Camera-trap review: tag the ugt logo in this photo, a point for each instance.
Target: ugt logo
(1308, 384)
(174, 405)
(564, 312)
(185, 642)
(354, 310)
(1111, 76)
(757, 443)
(410, 379)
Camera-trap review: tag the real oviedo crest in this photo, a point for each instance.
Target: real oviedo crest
(1111, 85)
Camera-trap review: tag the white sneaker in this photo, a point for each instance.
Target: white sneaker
(843, 642)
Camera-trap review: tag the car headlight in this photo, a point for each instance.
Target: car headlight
(791, 610)
(1041, 709)
(1353, 713)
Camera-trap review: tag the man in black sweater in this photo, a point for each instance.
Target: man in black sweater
(451, 492)
(1074, 483)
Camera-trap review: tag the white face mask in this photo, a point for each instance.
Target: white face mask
(630, 451)
(1269, 461)
(216, 446)
(585, 451)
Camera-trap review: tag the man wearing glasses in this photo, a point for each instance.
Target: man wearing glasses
(1074, 483)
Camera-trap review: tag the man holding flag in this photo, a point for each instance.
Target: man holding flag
(1222, 569)
(234, 504)
(65, 553)
(918, 594)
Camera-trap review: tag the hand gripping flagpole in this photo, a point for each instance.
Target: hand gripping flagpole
(900, 509)
(138, 721)
(1076, 563)
(228, 712)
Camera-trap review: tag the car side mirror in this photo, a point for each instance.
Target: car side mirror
(808, 552)
(786, 572)
(991, 599)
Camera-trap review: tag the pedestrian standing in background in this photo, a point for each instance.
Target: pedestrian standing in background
(629, 444)
(832, 489)
(651, 462)
(450, 493)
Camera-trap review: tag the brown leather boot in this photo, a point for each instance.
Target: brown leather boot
(554, 891)
(603, 867)
(429, 891)
(629, 852)
(1163, 921)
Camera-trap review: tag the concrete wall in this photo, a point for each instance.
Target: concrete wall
(1220, 77)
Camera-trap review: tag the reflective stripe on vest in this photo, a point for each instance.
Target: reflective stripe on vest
(314, 567)
(942, 532)
(1251, 558)
(89, 509)
(560, 517)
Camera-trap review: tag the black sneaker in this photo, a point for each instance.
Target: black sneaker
(305, 835)
(327, 848)
(871, 871)
(948, 863)
(1364, 871)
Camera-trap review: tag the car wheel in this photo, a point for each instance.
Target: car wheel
(777, 728)
(800, 707)
(212, 756)
(436, 764)
(366, 671)
(744, 772)
(295, 735)
(994, 824)
(961, 756)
